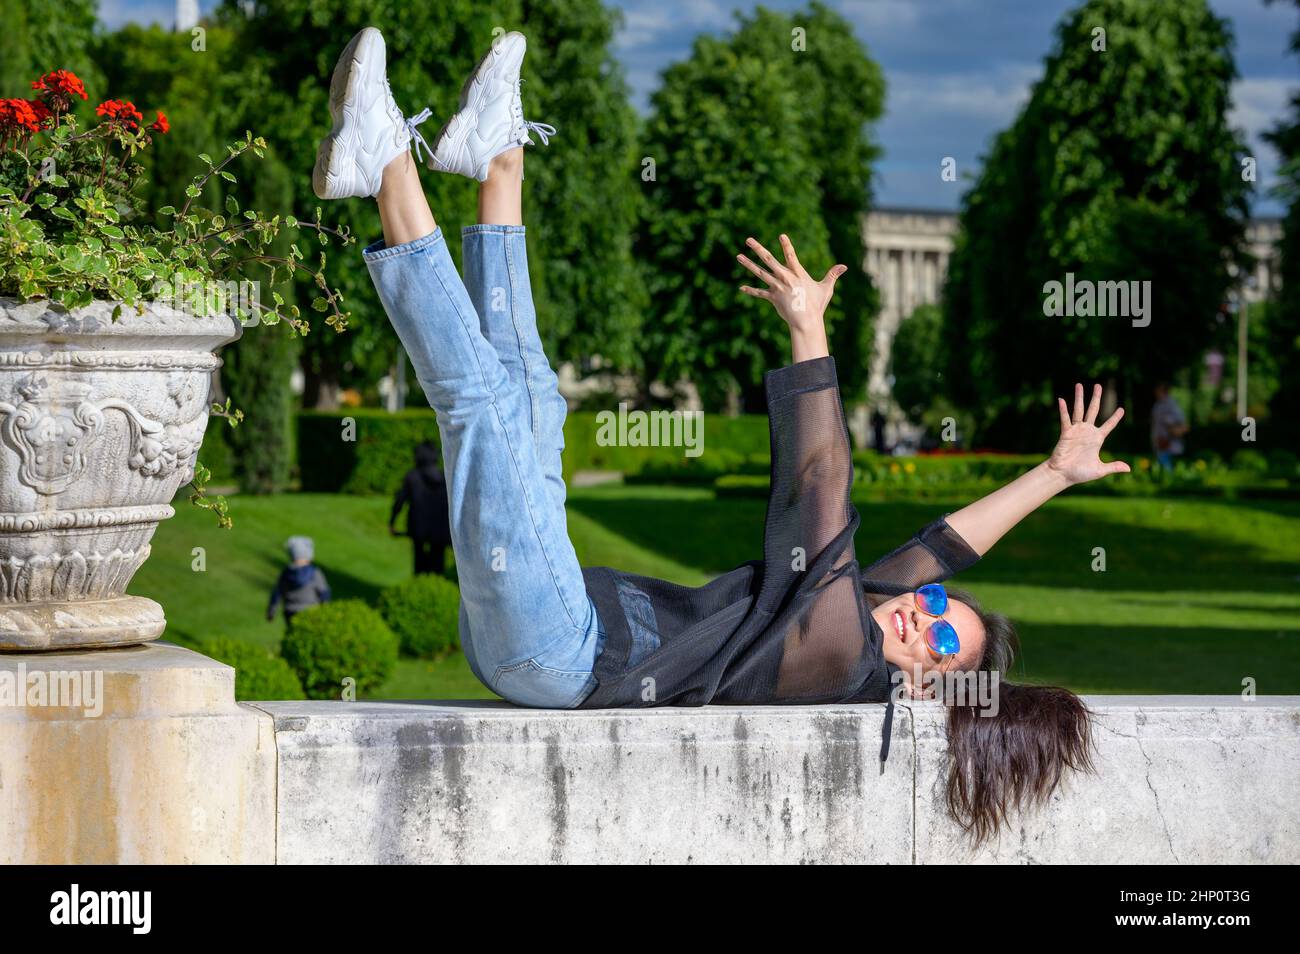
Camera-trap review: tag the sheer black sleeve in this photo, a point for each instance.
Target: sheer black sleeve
(810, 580)
(935, 553)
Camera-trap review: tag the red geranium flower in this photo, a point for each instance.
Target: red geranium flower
(61, 83)
(19, 114)
(43, 112)
(120, 111)
(161, 124)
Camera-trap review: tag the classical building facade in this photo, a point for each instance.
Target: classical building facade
(907, 254)
(907, 259)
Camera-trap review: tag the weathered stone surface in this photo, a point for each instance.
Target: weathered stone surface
(1180, 779)
(100, 423)
(482, 782)
(170, 769)
(173, 770)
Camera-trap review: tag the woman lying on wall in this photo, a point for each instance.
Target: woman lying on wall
(805, 624)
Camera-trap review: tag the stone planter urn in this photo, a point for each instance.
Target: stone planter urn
(100, 425)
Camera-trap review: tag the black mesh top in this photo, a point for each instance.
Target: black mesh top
(794, 627)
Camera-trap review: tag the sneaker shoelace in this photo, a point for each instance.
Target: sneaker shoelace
(409, 123)
(522, 126)
(417, 139)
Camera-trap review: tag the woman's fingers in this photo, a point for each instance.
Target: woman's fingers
(762, 273)
(1078, 404)
(1116, 467)
(1065, 414)
(833, 276)
(1094, 406)
(756, 292)
(791, 259)
(768, 258)
(1110, 422)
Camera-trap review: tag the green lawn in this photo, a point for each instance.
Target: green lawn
(1196, 597)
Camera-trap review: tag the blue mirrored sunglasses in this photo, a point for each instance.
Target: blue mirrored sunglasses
(940, 637)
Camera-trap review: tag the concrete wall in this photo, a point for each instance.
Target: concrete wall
(167, 768)
(1181, 779)
(164, 768)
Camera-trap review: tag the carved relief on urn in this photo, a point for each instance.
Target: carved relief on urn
(101, 423)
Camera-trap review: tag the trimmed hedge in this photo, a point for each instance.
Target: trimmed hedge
(872, 467)
(385, 443)
(337, 640)
(731, 439)
(259, 673)
(375, 462)
(424, 612)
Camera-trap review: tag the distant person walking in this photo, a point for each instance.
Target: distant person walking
(302, 583)
(424, 491)
(878, 422)
(1168, 426)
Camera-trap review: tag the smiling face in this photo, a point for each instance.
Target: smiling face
(904, 626)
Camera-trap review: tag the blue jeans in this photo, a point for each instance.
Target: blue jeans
(528, 629)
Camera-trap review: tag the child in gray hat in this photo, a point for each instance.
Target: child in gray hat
(301, 584)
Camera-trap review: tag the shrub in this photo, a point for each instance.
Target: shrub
(259, 673)
(1251, 461)
(704, 469)
(424, 612)
(1282, 463)
(339, 640)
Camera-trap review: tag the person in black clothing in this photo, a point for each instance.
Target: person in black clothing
(803, 623)
(424, 492)
(878, 431)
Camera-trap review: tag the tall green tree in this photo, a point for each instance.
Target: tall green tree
(1284, 315)
(583, 196)
(759, 132)
(917, 360)
(1121, 167)
(842, 90)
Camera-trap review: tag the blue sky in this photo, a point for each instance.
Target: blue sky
(957, 71)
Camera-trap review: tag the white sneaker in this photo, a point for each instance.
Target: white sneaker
(491, 115)
(369, 130)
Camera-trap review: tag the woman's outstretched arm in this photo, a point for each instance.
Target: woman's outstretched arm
(1075, 460)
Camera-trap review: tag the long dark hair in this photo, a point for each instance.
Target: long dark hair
(1014, 760)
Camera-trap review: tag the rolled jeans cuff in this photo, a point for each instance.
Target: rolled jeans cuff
(378, 251)
(501, 229)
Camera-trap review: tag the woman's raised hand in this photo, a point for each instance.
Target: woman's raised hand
(1077, 456)
(799, 298)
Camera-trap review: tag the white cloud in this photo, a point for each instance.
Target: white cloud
(993, 96)
(1257, 104)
